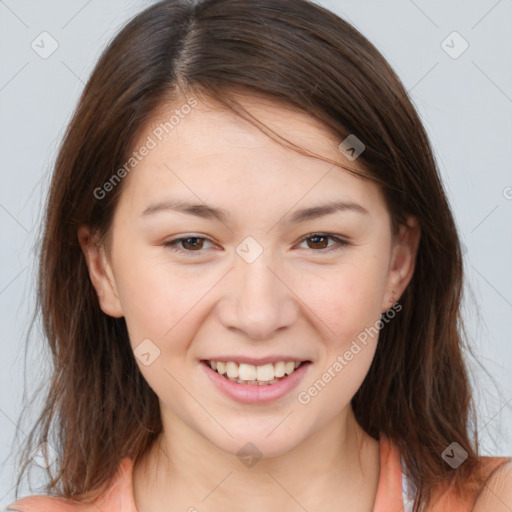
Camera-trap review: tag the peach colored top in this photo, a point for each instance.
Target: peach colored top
(392, 490)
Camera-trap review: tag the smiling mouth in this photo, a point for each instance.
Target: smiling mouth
(249, 374)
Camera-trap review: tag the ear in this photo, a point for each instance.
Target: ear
(403, 261)
(100, 272)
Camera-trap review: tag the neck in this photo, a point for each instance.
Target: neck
(338, 462)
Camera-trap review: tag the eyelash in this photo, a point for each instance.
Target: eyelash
(340, 243)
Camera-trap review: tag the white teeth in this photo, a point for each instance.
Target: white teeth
(289, 367)
(246, 371)
(265, 373)
(231, 369)
(249, 374)
(279, 369)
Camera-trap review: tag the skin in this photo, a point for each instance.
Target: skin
(294, 299)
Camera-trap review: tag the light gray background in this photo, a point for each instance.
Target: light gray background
(465, 103)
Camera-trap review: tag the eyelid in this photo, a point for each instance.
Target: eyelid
(173, 244)
(340, 242)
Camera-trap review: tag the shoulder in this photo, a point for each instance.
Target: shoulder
(44, 504)
(116, 496)
(496, 493)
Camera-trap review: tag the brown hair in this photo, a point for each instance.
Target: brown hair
(99, 408)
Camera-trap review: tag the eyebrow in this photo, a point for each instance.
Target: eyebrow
(209, 212)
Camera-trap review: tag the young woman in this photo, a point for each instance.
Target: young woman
(250, 280)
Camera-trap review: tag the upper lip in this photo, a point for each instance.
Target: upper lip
(256, 361)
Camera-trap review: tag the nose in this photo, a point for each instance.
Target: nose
(258, 300)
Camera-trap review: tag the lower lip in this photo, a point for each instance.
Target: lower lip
(254, 393)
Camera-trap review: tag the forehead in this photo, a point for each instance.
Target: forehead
(207, 150)
(214, 122)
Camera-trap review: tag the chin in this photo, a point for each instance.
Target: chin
(256, 443)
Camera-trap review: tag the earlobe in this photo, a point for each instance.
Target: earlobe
(403, 261)
(100, 272)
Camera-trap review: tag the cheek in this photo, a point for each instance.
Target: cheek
(154, 298)
(337, 381)
(347, 299)
(162, 309)
(348, 303)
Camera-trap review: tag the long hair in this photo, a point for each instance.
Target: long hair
(99, 408)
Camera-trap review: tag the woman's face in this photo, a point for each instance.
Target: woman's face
(249, 283)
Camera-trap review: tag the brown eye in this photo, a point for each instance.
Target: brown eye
(187, 244)
(319, 241)
(197, 243)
